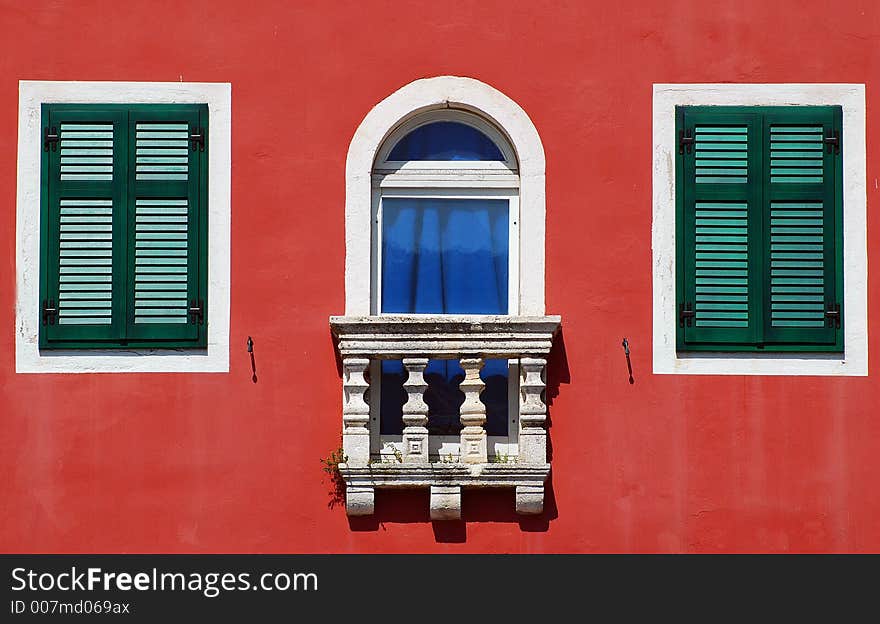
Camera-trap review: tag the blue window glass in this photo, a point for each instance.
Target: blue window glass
(445, 140)
(445, 256)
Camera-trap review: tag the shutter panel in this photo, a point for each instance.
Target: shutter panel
(801, 226)
(83, 222)
(166, 213)
(719, 219)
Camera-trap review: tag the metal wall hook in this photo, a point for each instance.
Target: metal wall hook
(629, 367)
(250, 350)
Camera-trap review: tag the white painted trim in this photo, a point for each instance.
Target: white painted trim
(855, 253)
(414, 99)
(28, 357)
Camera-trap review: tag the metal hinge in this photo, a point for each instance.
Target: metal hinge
(197, 312)
(832, 315)
(833, 142)
(50, 312)
(197, 137)
(50, 138)
(685, 314)
(685, 141)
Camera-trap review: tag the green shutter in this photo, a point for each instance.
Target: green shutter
(758, 228)
(800, 224)
(83, 213)
(124, 227)
(718, 259)
(164, 212)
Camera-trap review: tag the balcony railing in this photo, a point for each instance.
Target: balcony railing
(416, 339)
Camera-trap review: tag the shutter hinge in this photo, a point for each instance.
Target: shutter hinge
(197, 137)
(833, 142)
(685, 314)
(50, 138)
(832, 315)
(685, 140)
(50, 312)
(197, 312)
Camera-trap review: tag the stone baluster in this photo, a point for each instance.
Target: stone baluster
(473, 413)
(415, 413)
(355, 412)
(532, 434)
(532, 412)
(359, 501)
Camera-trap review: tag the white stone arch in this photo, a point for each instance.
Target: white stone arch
(419, 97)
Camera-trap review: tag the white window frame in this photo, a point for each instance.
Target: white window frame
(666, 360)
(28, 357)
(520, 178)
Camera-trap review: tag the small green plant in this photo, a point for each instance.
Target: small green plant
(501, 458)
(331, 462)
(390, 455)
(395, 452)
(448, 458)
(337, 483)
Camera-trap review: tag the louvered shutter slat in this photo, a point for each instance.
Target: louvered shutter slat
(721, 264)
(85, 262)
(162, 151)
(86, 151)
(161, 255)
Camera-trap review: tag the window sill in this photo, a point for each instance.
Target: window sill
(754, 363)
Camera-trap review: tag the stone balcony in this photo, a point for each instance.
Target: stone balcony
(416, 339)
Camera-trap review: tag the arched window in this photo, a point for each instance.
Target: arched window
(444, 341)
(446, 190)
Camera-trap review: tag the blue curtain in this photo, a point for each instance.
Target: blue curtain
(444, 256)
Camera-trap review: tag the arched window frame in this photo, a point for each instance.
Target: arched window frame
(405, 106)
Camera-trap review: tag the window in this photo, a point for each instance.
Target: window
(125, 222)
(768, 319)
(446, 239)
(444, 343)
(759, 212)
(123, 227)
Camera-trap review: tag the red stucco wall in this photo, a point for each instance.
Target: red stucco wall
(216, 463)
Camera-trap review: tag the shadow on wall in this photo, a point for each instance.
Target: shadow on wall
(411, 506)
(557, 374)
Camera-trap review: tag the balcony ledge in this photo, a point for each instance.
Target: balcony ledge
(446, 336)
(445, 481)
